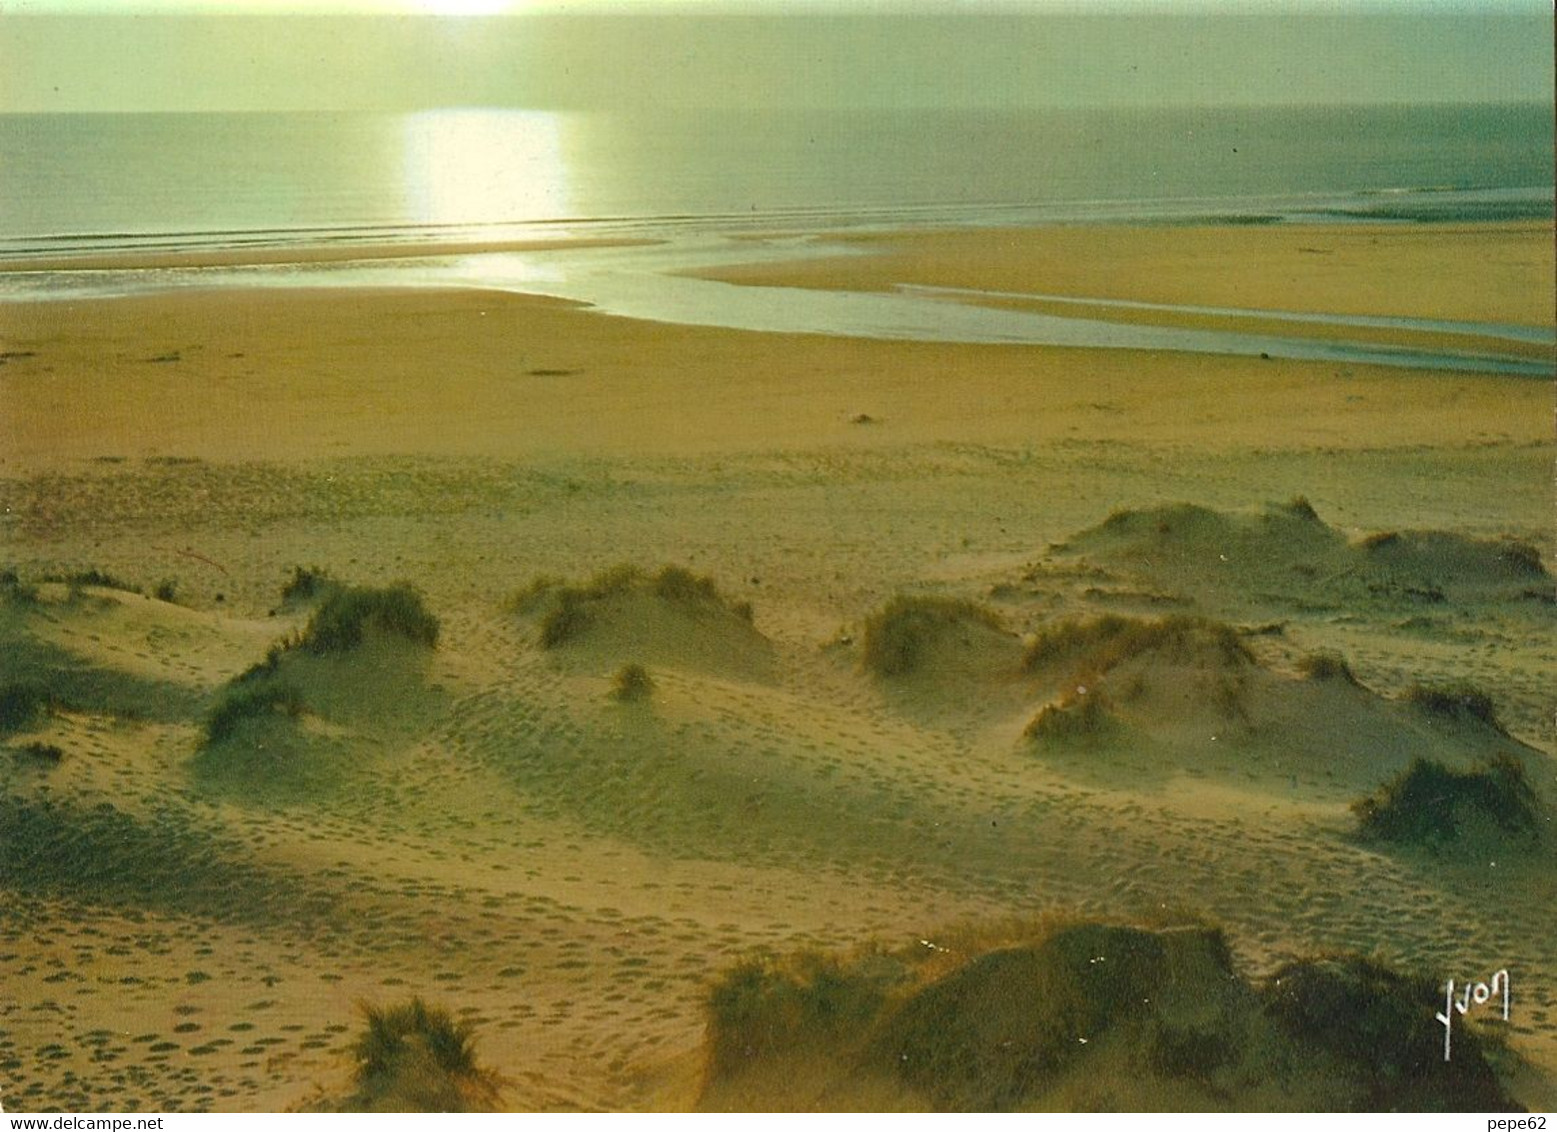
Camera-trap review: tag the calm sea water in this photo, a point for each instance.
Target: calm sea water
(74, 182)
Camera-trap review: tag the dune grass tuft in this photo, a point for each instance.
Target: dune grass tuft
(1299, 507)
(768, 1005)
(1427, 802)
(1103, 643)
(896, 635)
(41, 754)
(252, 700)
(339, 624)
(1375, 1028)
(1447, 555)
(1112, 1015)
(14, 591)
(680, 585)
(572, 608)
(1456, 702)
(270, 666)
(92, 576)
(568, 619)
(1077, 717)
(1327, 664)
(416, 1058)
(308, 583)
(1521, 557)
(22, 704)
(632, 683)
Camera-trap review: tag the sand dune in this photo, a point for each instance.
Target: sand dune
(432, 779)
(1287, 554)
(626, 616)
(1082, 1015)
(839, 746)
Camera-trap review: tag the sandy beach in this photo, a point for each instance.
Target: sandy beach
(495, 825)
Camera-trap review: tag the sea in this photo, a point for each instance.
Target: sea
(615, 210)
(73, 183)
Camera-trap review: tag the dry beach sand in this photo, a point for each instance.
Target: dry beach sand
(486, 825)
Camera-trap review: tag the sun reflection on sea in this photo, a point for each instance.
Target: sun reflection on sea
(478, 167)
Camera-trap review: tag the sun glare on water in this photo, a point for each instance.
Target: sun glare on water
(484, 166)
(464, 7)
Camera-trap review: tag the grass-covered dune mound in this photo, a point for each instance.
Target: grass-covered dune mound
(1287, 555)
(1099, 645)
(1272, 535)
(1190, 548)
(349, 615)
(415, 1058)
(1086, 1015)
(1366, 1034)
(347, 621)
(1453, 557)
(249, 700)
(355, 660)
(913, 634)
(1102, 665)
(1184, 690)
(1431, 805)
(1459, 704)
(672, 618)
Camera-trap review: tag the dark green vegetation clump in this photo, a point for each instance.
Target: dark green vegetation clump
(897, 635)
(417, 1058)
(14, 591)
(1443, 552)
(92, 576)
(996, 1033)
(250, 699)
(40, 754)
(572, 610)
(1327, 664)
(23, 704)
(254, 742)
(339, 624)
(1300, 508)
(1084, 716)
(769, 1005)
(1375, 1030)
(266, 668)
(1086, 1014)
(1428, 803)
(1456, 702)
(308, 583)
(632, 683)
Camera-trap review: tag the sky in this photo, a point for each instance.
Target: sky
(139, 55)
